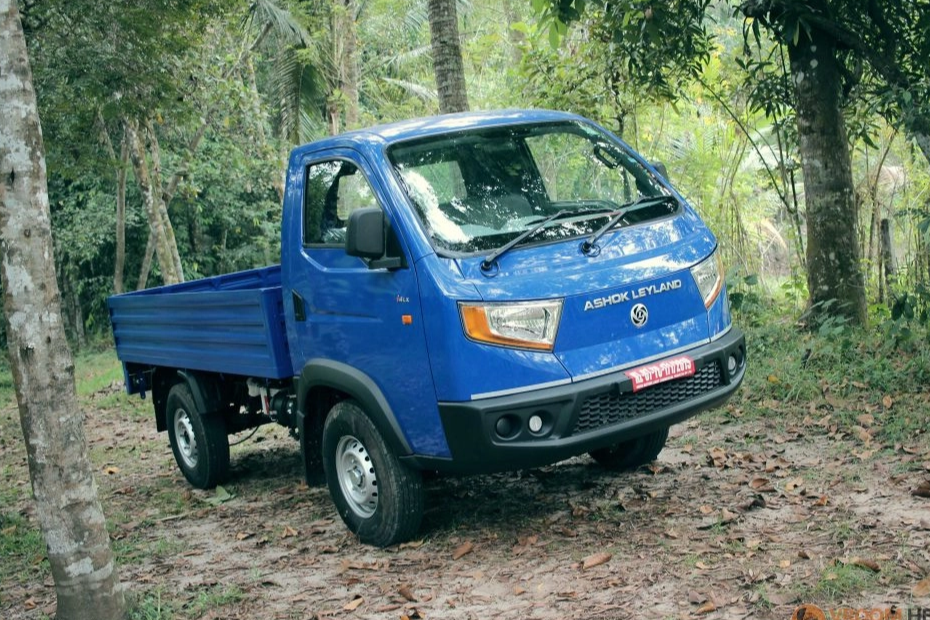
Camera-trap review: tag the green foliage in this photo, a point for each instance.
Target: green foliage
(836, 370)
(690, 83)
(23, 550)
(159, 605)
(654, 45)
(155, 605)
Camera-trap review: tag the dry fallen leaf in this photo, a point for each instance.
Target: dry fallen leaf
(464, 549)
(695, 597)
(760, 484)
(701, 565)
(705, 509)
(30, 603)
(887, 401)
(112, 469)
(872, 565)
(517, 591)
(863, 435)
(727, 516)
(785, 564)
(595, 560)
(244, 535)
(407, 593)
(353, 604)
(288, 532)
(706, 608)
(866, 419)
(922, 588)
(922, 490)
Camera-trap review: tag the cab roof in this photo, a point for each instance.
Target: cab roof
(435, 125)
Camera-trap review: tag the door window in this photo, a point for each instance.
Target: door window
(334, 190)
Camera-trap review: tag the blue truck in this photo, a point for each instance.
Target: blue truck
(464, 293)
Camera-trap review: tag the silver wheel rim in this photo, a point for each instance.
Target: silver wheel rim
(357, 477)
(184, 434)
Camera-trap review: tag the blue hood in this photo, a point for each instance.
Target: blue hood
(645, 264)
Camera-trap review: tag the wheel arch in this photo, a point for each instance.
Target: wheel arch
(323, 383)
(206, 390)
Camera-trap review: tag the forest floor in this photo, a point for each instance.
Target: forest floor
(749, 512)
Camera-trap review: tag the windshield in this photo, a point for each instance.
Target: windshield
(477, 190)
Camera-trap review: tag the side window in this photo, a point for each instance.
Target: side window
(334, 189)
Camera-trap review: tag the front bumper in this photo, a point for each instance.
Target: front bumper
(583, 416)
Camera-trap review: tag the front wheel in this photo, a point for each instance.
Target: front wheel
(633, 453)
(379, 498)
(199, 442)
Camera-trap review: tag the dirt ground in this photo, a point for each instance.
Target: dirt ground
(738, 518)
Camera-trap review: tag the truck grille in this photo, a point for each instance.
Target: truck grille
(610, 408)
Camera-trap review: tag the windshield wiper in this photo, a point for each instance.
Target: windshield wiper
(488, 262)
(646, 201)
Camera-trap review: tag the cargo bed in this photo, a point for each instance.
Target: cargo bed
(232, 324)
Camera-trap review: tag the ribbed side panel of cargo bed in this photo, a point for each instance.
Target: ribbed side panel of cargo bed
(232, 324)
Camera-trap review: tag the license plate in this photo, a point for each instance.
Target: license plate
(660, 372)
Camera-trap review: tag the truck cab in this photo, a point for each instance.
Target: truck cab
(465, 293)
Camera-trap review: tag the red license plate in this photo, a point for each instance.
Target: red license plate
(660, 372)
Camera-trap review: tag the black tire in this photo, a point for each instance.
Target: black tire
(379, 498)
(633, 453)
(199, 442)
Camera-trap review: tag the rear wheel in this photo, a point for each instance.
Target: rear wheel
(633, 453)
(379, 498)
(199, 442)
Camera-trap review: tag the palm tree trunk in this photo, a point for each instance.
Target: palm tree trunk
(67, 506)
(447, 56)
(350, 62)
(834, 278)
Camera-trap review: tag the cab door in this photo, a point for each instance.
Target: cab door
(340, 309)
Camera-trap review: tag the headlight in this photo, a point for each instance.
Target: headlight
(708, 275)
(528, 325)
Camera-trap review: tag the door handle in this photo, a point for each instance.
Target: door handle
(300, 314)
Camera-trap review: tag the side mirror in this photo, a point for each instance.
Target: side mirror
(661, 169)
(366, 232)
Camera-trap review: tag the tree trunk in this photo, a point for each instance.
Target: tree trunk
(348, 32)
(150, 197)
(918, 130)
(834, 277)
(515, 37)
(120, 263)
(447, 56)
(889, 272)
(68, 510)
(163, 197)
(146, 268)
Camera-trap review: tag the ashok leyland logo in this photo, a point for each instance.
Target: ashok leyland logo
(639, 315)
(598, 303)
